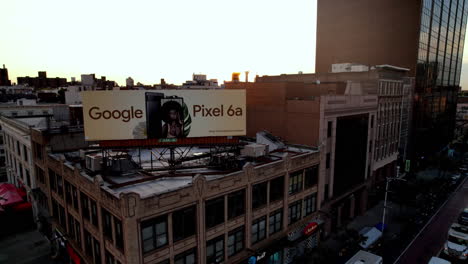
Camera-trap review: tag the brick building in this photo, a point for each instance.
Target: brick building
(263, 206)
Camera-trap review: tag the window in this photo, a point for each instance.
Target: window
(310, 204)
(28, 178)
(275, 221)
(38, 150)
(74, 197)
(30, 113)
(329, 128)
(370, 146)
(294, 212)
(327, 161)
(106, 223)
(55, 213)
(14, 114)
(276, 258)
(71, 227)
(88, 243)
(52, 180)
(236, 204)
(187, 257)
(164, 262)
(68, 192)
(295, 182)
(259, 195)
(40, 175)
(184, 223)
(118, 233)
(25, 153)
(276, 188)
(84, 206)
(235, 241)
(215, 250)
(59, 185)
(109, 258)
(154, 233)
(20, 169)
(97, 251)
(258, 229)
(62, 219)
(94, 216)
(18, 148)
(311, 176)
(214, 212)
(372, 121)
(78, 233)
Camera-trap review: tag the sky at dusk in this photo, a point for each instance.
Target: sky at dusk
(150, 40)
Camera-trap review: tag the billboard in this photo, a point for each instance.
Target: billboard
(163, 114)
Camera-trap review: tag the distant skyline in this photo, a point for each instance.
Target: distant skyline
(150, 40)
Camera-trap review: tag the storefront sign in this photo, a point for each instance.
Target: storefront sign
(310, 228)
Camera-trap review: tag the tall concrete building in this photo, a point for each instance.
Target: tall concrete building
(425, 36)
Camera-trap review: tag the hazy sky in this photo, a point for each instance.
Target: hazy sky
(154, 39)
(150, 40)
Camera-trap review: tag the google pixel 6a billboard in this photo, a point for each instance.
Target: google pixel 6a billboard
(161, 114)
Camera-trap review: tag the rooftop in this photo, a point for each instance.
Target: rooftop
(147, 172)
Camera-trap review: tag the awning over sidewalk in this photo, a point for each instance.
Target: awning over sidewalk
(9, 194)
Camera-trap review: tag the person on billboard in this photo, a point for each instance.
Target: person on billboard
(173, 119)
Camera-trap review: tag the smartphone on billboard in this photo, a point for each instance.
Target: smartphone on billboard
(153, 114)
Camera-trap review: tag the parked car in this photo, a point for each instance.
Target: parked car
(436, 260)
(365, 257)
(463, 217)
(457, 242)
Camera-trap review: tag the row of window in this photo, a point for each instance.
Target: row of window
(20, 171)
(16, 146)
(155, 234)
(390, 88)
(111, 225)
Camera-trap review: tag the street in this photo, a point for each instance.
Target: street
(430, 240)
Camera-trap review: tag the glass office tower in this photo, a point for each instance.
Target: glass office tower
(440, 53)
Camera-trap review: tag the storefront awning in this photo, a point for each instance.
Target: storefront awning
(9, 194)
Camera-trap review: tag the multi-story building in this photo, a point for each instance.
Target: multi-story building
(199, 81)
(218, 207)
(4, 80)
(316, 109)
(425, 36)
(17, 151)
(42, 81)
(336, 116)
(28, 111)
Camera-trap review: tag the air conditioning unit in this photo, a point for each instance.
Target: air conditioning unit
(255, 150)
(93, 162)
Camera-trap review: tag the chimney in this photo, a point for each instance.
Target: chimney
(246, 76)
(3, 66)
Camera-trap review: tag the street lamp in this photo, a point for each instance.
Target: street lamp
(386, 194)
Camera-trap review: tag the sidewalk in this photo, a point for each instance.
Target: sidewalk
(24, 248)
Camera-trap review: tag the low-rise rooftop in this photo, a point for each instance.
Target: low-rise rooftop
(149, 172)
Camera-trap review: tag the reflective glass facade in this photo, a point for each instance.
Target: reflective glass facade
(441, 42)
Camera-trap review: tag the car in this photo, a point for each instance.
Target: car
(456, 245)
(463, 217)
(436, 260)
